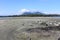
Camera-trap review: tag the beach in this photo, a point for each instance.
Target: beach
(10, 27)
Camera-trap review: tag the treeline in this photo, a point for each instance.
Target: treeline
(32, 15)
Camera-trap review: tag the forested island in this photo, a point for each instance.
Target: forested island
(34, 14)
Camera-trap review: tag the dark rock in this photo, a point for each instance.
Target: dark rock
(58, 38)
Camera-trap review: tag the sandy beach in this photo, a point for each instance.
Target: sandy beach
(10, 27)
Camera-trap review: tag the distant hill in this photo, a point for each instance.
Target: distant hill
(33, 14)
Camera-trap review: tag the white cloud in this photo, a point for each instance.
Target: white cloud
(22, 11)
(28, 10)
(31, 10)
(25, 10)
(46, 12)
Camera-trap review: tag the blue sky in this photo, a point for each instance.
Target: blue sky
(11, 7)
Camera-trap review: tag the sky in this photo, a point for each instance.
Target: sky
(16, 7)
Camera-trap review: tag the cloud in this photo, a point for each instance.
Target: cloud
(29, 10)
(34, 10)
(22, 11)
(46, 12)
(25, 10)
